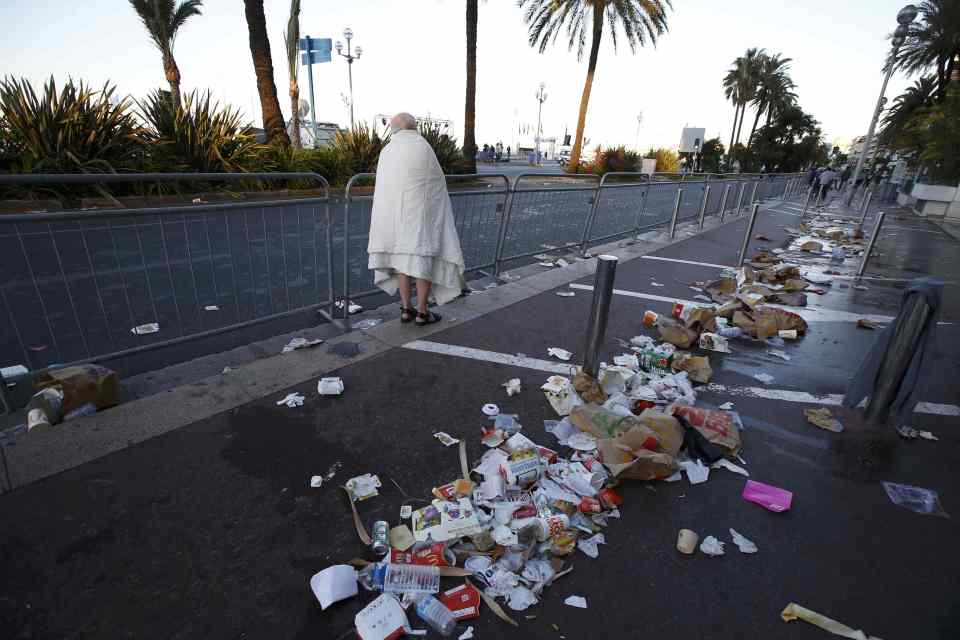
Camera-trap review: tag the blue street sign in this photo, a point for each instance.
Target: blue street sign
(314, 57)
(315, 44)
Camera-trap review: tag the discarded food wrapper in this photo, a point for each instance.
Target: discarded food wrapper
(719, 427)
(726, 406)
(445, 438)
(765, 378)
(363, 487)
(745, 545)
(696, 472)
(330, 386)
(211, 307)
(566, 293)
(687, 541)
(865, 323)
(714, 342)
(316, 481)
(559, 353)
(490, 410)
(459, 488)
(405, 512)
(823, 418)
(466, 635)
(143, 329)
(627, 360)
(334, 584)
(772, 498)
(794, 611)
(590, 546)
(779, 354)
(382, 619)
(441, 521)
(723, 463)
(787, 334)
(916, 499)
(561, 395)
(711, 546)
(512, 386)
(354, 308)
(292, 400)
(300, 343)
(367, 323)
(463, 601)
(697, 367)
(576, 601)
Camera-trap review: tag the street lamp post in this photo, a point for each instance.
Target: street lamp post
(636, 140)
(348, 36)
(904, 17)
(541, 98)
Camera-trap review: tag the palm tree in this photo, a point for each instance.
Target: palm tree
(470, 104)
(731, 90)
(162, 19)
(773, 82)
(933, 42)
(740, 87)
(920, 95)
(263, 66)
(291, 38)
(639, 19)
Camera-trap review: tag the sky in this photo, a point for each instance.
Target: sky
(414, 60)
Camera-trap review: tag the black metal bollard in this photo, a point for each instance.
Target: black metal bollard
(599, 313)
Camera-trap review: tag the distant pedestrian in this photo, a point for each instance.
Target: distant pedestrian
(508, 154)
(845, 176)
(811, 175)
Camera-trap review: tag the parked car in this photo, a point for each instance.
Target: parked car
(563, 157)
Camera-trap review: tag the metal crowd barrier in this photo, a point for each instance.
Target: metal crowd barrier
(86, 285)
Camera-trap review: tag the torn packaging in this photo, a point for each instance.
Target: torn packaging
(719, 427)
(651, 430)
(697, 367)
(676, 334)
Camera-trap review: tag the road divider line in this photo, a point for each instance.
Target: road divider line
(763, 393)
(693, 262)
(810, 314)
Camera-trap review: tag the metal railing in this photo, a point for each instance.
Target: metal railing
(85, 285)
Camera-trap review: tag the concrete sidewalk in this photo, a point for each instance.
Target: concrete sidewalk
(200, 522)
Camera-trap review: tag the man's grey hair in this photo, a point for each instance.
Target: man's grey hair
(403, 120)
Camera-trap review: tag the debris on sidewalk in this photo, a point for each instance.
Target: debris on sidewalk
(144, 329)
(561, 354)
(354, 307)
(300, 343)
(363, 487)
(445, 438)
(330, 386)
(765, 378)
(576, 601)
(864, 323)
(745, 545)
(910, 433)
(916, 499)
(382, 619)
(767, 496)
(71, 392)
(687, 541)
(490, 410)
(334, 584)
(566, 293)
(292, 400)
(794, 611)
(711, 546)
(367, 323)
(512, 386)
(823, 418)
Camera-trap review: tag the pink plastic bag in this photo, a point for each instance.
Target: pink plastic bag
(765, 495)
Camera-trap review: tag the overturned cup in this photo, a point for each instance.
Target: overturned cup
(687, 541)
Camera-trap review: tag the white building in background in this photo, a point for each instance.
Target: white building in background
(856, 147)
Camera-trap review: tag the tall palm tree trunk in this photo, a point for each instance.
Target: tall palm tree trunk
(263, 66)
(733, 131)
(295, 113)
(470, 104)
(743, 111)
(172, 72)
(753, 129)
(577, 150)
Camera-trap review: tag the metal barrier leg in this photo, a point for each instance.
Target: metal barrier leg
(501, 236)
(703, 205)
(870, 243)
(346, 262)
(746, 237)
(676, 212)
(643, 209)
(864, 206)
(599, 312)
(753, 194)
(723, 202)
(903, 345)
(591, 216)
(331, 286)
(743, 187)
(806, 203)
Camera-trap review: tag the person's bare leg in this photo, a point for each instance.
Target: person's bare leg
(423, 294)
(403, 284)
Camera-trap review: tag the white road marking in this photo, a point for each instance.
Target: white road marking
(802, 268)
(810, 314)
(785, 395)
(693, 262)
(493, 356)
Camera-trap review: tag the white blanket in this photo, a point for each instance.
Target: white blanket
(412, 229)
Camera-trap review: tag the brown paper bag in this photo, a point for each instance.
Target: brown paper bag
(676, 334)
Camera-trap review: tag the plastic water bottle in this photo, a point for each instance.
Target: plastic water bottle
(436, 615)
(401, 578)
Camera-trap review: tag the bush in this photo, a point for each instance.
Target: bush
(355, 152)
(198, 135)
(73, 130)
(667, 160)
(615, 159)
(449, 155)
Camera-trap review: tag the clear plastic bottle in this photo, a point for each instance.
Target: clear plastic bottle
(401, 578)
(436, 615)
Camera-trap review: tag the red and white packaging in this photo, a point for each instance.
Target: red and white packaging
(463, 602)
(382, 619)
(433, 555)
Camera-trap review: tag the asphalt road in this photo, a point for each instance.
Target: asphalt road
(212, 530)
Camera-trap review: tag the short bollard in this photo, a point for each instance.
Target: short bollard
(599, 312)
(746, 238)
(676, 212)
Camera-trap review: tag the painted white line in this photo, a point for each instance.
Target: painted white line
(763, 393)
(493, 356)
(693, 262)
(810, 314)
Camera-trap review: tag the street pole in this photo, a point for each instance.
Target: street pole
(348, 35)
(313, 105)
(541, 98)
(904, 18)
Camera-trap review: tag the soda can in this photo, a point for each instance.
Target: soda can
(381, 537)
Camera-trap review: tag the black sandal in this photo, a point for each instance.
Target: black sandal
(407, 315)
(423, 319)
